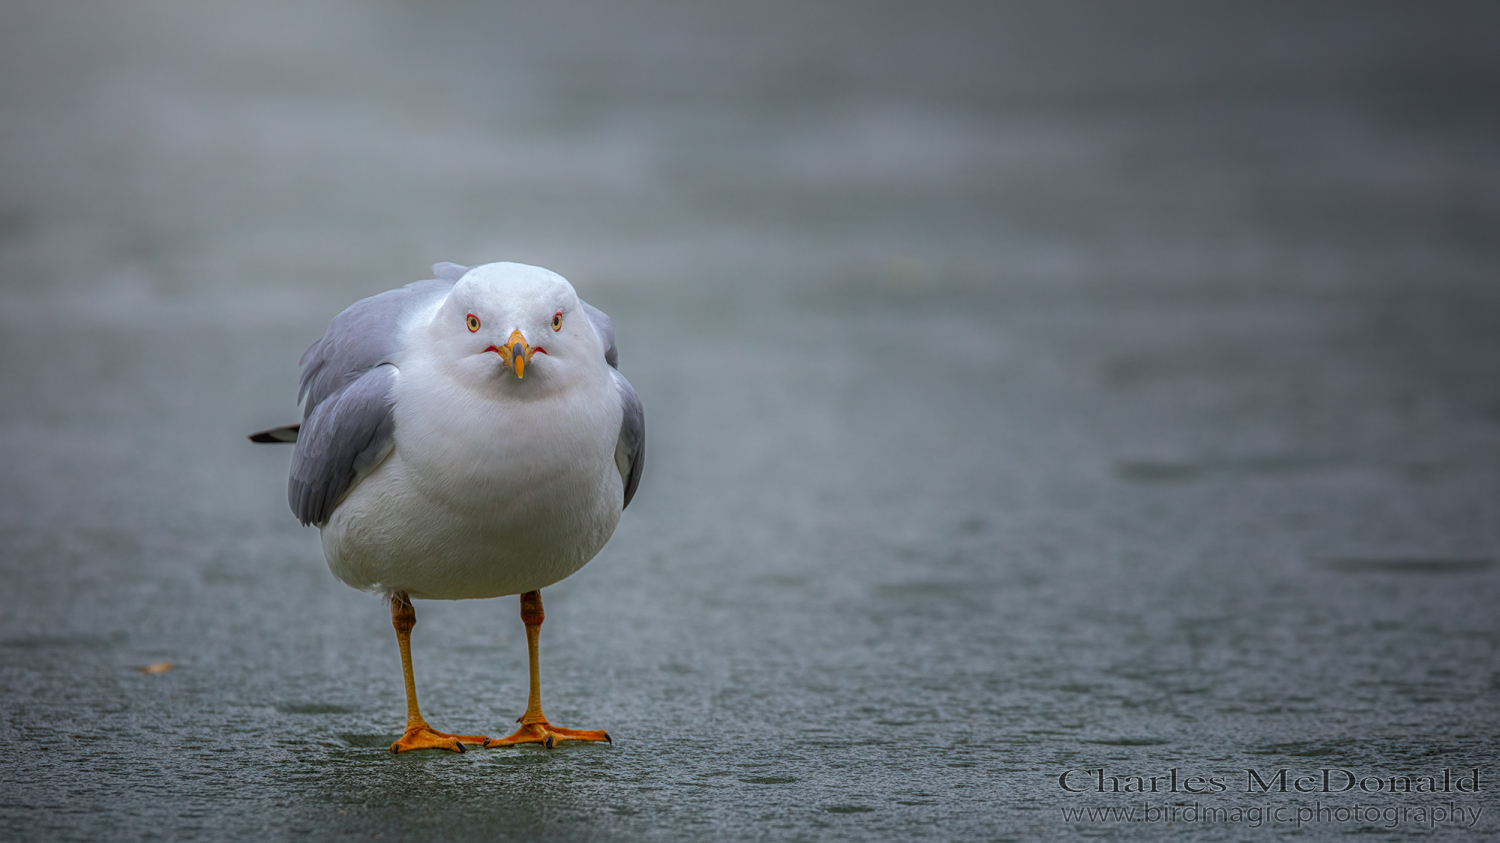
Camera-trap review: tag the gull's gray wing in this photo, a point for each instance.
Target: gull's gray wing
(342, 439)
(605, 328)
(347, 419)
(630, 449)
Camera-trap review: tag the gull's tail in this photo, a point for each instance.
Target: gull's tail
(285, 433)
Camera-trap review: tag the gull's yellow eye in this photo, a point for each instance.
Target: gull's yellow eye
(557, 321)
(473, 323)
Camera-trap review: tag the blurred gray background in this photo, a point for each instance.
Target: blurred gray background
(1029, 388)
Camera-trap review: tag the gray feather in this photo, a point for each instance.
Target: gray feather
(605, 328)
(449, 271)
(358, 340)
(341, 441)
(630, 449)
(347, 418)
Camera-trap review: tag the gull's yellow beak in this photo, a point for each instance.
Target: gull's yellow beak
(516, 354)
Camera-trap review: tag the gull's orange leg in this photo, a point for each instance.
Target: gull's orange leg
(534, 725)
(418, 734)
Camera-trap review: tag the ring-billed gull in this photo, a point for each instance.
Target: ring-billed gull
(466, 437)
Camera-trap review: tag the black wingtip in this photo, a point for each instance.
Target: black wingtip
(287, 433)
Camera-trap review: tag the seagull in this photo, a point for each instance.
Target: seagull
(466, 437)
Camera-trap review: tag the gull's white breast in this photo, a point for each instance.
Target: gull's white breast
(483, 495)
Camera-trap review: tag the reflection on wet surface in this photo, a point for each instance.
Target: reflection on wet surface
(1028, 391)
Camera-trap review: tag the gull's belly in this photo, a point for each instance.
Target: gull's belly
(481, 500)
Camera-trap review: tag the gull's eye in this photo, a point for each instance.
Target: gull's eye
(473, 323)
(557, 321)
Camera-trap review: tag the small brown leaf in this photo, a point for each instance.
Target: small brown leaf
(159, 667)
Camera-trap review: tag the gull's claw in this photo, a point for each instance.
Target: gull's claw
(425, 737)
(548, 735)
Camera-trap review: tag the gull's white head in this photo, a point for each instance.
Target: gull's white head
(515, 327)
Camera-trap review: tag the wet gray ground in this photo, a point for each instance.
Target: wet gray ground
(1028, 391)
